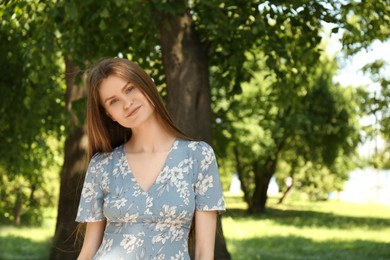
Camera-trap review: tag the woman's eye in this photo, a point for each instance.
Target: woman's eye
(113, 101)
(129, 89)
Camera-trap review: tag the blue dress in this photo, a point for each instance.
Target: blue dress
(151, 224)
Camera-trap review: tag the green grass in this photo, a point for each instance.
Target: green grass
(306, 230)
(27, 243)
(295, 230)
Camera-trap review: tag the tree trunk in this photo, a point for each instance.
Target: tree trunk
(186, 68)
(262, 179)
(285, 193)
(240, 173)
(17, 209)
(75, 162)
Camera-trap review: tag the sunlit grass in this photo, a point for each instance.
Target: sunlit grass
(24, 243)
(298, 229)
(307, 230)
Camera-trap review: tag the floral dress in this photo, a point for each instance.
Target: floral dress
(151, 224)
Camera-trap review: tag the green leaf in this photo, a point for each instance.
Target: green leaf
(105, 13)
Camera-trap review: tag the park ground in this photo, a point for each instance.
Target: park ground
(298, 229)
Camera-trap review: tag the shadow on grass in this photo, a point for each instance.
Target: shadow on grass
(19, 248)
(308, 218)
(292, 247)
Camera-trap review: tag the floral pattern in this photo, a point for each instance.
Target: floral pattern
(151, 224)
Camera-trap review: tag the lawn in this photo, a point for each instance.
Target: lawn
(296, 230)
(27, 243)
(306, 230)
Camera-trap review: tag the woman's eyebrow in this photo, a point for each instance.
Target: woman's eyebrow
(122, 89)
(125, 86)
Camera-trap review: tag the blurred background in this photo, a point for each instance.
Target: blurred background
(293, 96)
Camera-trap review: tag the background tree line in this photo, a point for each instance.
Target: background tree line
(249, 76)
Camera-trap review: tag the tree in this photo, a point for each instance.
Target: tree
(185, 60)
(363, 23)
(74, 166)
(267, 124)
(198, 107)
(27, 121)
(291, 47)
(224, 32)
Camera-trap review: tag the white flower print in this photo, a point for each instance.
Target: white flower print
(177, 234)
(122, 166)
(176, 174)
(192, 145)
(129, 242)
(137, 188)
(106, 246)
(160, 238)
(186, 165)
(90, 219)
(115, 172)
(203, 184)
(168, 211)
(119, 203)
(183, 190)
(178, 256)
(209, 157)
(163, 175)
(89, 192)
(80, 211)
(130, 218)
(204, 164)
(149, 202)
(159, 257)
(105, 181)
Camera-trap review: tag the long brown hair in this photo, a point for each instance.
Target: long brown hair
(103, 133)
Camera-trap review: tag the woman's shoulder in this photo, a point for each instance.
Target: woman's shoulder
(105, 157)
(195, 146)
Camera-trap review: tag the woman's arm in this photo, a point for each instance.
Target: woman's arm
(205, 227)
(92, 240)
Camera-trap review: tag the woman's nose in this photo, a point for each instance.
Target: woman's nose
(128, 103)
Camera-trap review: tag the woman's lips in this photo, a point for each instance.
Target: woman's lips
(133, 112)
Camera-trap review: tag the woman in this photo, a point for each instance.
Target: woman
(146, 181)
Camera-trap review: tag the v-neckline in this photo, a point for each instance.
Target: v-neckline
(159, 173)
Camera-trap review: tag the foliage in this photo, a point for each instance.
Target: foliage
(31, 102)
(363, 22)
(89, 33)
(377, 105)
(281, 38)
(311, 127)
(288, 42)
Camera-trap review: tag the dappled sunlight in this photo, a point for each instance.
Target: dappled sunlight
(296, 247)
(24, 242)
(307, 230)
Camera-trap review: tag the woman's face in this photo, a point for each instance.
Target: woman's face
(124, 102)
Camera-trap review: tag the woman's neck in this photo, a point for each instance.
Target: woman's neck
(151, 137)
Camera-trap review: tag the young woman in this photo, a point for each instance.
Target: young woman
(146, 180)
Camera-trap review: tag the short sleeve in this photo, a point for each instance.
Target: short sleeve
(208, 190)
(91, 201)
